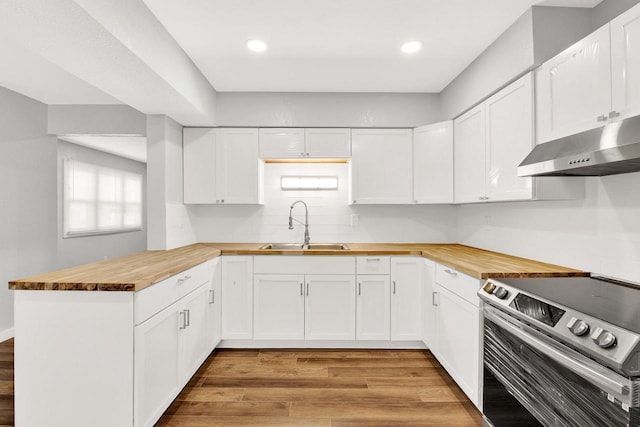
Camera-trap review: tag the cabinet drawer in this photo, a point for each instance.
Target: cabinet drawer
(459, 283)
(269, 264)
(154, 298)
(373, 265)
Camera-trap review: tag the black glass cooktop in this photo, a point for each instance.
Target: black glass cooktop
(613, 302)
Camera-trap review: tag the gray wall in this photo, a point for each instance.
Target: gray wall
(327, 109)
(85, 249)
(96, 120)
(609, 9)
(28, 197)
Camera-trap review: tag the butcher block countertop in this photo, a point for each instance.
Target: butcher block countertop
(127, 273)
(138, 271)
(478, 263)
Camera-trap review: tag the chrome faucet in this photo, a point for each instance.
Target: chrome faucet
(305, 223)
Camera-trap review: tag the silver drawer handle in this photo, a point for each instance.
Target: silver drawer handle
(183, 316)
(602, 118)
(451, 272)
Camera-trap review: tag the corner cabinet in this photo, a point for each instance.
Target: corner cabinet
(490, 142)
(299, 143)
(221, 166)
(433, 163)
(593, 82)
(381, 166)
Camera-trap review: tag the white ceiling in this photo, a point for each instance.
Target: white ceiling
(129, 146)
(338, 45)
(142, 52)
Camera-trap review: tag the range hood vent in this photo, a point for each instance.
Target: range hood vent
(608, 150)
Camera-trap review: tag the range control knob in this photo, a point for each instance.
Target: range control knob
(501, 292)
(580, 328)
(604, 339)
(489, 287)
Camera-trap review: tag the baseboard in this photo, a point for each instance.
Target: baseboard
(328, 344)
(6, 334)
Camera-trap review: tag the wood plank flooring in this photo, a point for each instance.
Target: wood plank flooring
(305, 388)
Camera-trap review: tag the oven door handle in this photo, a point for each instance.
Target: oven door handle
(597, 375)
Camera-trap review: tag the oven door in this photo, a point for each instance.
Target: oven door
(532, 380)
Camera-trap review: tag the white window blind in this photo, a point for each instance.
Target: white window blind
(99, 200)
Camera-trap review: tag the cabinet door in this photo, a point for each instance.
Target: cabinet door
(157, 375)
(381, 166)
(282, 143)
(278, 307)
(215, 306)
(372, 308)
(239, 168)
(328, 143)
(433, 163)
(458, 341)
(429, 308)
(573, 89)
(330, 307)
(406, 298)
(237, 297)
(469, 155)
(509, 127)
(196, 338)
(625, 63)
(199, 164)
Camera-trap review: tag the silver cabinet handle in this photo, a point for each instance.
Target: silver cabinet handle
(614, 114)
(434, 299)
(188, 317)
(394, 287)
(301, 154)
(222, 200)
(212, 293)
(359, 288)
(602, 118)
(483, 198)
(301, 292)
(187, 277)
(183, 316)
(307, 289)
(451, 272)
(373, 259)
(180, 281)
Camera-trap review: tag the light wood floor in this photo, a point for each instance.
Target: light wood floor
(305, 388)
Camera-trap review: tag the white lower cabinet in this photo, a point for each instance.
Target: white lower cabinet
(406, 298)
(428, 309)
(215, 304)
(237, 297)
(457, 337)
(373, 309)
(169, 349)
(330, 307)
(278, 307)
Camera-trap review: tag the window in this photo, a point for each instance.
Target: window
(99, 200)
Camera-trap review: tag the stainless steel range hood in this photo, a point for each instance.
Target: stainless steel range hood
(608, 150)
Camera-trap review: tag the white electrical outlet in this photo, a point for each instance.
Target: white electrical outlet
(355, 220)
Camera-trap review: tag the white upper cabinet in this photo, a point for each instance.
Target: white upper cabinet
(573, 89)
(509, 138)
(490, 142)
(294, 143)
(625, 63)
(595, 81)
(381, 166)
(433, 163)
(221, 166)
(282, 143)
(328, 142)
(469, 154)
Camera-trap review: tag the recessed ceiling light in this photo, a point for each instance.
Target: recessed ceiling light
(256, 45)
(411, 47)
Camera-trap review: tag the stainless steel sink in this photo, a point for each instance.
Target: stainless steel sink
(313, 246)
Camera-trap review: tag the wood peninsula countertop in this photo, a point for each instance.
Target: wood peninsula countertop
(127, 273)
(138, 271)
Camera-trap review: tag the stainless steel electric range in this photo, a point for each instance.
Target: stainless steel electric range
(561, 352)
